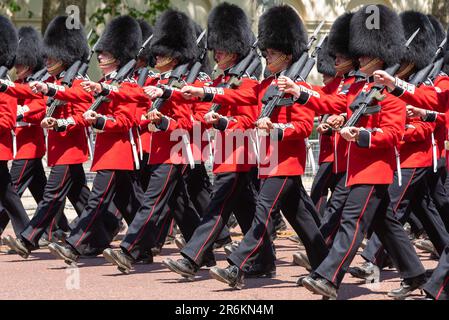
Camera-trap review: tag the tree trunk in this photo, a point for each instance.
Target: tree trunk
(52, 8)
(440, 9)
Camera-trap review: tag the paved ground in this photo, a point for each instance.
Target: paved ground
(42, 277)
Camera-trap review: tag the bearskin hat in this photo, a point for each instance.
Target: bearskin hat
(122, 38)
(174, 36)
(440, 33)
(65, 44)
(30, 50)
(339, 36)
(229, 30)
(423, 47)
(282, 29)
(8, 42)
(325, 62)
(384, 41)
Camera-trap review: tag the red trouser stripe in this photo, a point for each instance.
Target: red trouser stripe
(381, 249)
(442, 288)
(355, 235)
(219, 217)
(50, 206)
(266, 224)
(152, 210)
(21, 175)
(98, 209)
(162, 227)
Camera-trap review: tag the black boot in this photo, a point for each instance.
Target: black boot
(407, 287)
(231, 275)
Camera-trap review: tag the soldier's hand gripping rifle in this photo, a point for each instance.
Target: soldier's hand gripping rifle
(67, 81)
(247, 66)
(362, 104)
(273, 96)
(431, 71)
(175, 80)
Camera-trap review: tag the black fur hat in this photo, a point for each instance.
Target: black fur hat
(174, 36)
(8, 42)
(147, 31)
(282, 29)
(339, 36)
(229, 30)
(385, 41)
(325, 62)
(64, 44)
(30, 50)
(440, 33)
(423, 47)
(122, 38)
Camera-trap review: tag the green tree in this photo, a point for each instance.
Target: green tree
(52, 8)
(113, 8)
(9, 7)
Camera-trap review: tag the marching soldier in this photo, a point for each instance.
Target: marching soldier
(416, 155)
(431, 98)
(114, 158)
(371, 150)
(27, 170)
(197, 180)
(340, 66)
(9, 199)
(233, 190)
(283, 39)
(173, 45)
(67, 142)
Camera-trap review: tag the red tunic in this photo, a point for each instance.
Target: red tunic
(416, 146)
(286, 157)
(8, 114)
(377, 163)
(233, 150)
(113, 149)
(29, 133)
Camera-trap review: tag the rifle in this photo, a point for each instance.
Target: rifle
(40, 75)
(247, 66)
(433, 69)
(312, 60)
(120, 76)
(143, 76)
(273, 96)
(196, 68)
(362, 103)
(85, 65)
(175, 79)
(67, 81)
(143, 73)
